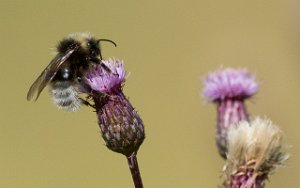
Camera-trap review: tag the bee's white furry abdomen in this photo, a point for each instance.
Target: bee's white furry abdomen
(65, 96)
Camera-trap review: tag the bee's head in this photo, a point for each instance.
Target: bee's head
(86, 43)
(88, 46)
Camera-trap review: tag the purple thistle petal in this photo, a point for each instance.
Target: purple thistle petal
(107, 82)
(229, 83)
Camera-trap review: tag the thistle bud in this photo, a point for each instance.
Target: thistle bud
(121, 126)
(229, 88)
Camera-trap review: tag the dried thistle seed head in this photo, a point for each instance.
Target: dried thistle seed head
(229, 83)
(255, 149)
(121, 126)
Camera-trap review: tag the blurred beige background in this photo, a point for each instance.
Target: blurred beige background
(167, 46)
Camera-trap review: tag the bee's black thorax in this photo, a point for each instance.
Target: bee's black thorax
(87, 49)
(65, 73)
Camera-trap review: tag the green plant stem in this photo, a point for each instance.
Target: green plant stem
(135, 171)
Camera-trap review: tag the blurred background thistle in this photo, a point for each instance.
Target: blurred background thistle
(253, 149)
(228, 89)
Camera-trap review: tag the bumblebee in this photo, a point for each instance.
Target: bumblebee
(74, 55)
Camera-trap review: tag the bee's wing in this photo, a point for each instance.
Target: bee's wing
(47, 75)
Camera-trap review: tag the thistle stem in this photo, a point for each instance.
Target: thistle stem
(134, 169)
(230, 111)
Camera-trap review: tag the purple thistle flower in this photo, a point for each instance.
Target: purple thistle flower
(106, 82)
(228, 88)
(229, 83)
(121, 127)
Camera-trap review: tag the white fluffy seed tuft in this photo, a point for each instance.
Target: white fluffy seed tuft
(257, 143)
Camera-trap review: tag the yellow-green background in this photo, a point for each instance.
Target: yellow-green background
(167, 46)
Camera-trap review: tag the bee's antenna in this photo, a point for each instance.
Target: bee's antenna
(107, 40)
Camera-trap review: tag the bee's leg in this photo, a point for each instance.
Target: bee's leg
(87, 103)
(106, 68)
(99, 61)
(85, 88)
